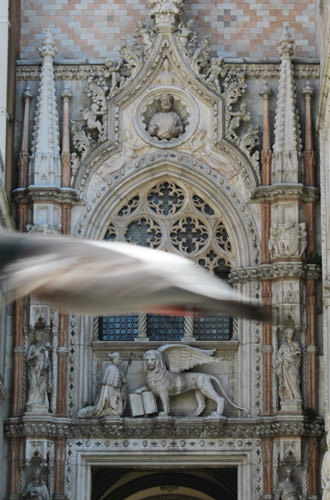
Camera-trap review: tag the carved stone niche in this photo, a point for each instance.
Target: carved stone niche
(166, 127)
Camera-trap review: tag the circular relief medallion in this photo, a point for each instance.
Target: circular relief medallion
(166, 117)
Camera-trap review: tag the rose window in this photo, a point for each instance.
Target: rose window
(176, 218)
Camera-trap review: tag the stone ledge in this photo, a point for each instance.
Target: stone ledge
(161, 427)
(287, 191)
(46, 193)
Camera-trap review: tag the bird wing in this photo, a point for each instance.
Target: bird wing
(98, 277)
(183, 357)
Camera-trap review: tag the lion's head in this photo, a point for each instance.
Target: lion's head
(153, 360)
(155, 368)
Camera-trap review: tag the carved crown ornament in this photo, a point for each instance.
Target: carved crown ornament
(165, 61)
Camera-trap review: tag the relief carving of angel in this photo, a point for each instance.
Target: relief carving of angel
(163, 369)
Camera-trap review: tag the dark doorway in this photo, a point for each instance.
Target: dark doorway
(164, 484)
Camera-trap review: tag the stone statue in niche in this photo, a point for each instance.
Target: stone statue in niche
(39, 371)
(112, 398)
(166, 123)
(287, 488)
(36, 489)
(325, 471)
(287, 369)
(165, 382)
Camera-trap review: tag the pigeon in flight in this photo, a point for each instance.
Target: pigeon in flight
(104, 278)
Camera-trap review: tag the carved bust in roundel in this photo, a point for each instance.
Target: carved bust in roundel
(165, 124)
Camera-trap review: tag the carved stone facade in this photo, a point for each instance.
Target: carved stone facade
(166, 142)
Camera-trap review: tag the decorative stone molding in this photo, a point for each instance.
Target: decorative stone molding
(45, 194)
(278, 192)
(163, 427)
(275, 271)
(254, 71)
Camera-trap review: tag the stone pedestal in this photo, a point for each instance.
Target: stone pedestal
(291, 406)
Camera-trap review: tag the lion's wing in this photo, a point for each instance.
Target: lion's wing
(183, 357)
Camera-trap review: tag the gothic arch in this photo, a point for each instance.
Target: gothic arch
(181, 169)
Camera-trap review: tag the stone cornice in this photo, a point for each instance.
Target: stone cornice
(276, 192)
(278, 270)
(161, 427)
(254, 70)
(99, 346)
(46, 194)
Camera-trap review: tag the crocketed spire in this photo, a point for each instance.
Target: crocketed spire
(287, 147)
(45, 159)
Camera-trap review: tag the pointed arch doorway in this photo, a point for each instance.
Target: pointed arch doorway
(191, 484)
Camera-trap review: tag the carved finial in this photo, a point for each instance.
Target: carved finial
(266, 91)
(286, 47)
(165, 13)
(308, 90)
(47, 48)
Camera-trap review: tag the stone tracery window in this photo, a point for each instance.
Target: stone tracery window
(178, 218)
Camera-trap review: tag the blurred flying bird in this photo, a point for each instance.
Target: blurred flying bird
(104, 278)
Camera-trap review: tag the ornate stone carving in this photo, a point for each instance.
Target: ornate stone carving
(187, 37)
(39, 371)
(255, 71)
(287, 240)
(47, 229)
(286, 162)
(165, 13)
(45, 164)
(165, 382)
(36, 489)
(112, 398)
(166, 124)
(287, 488)
(145, 36)
(287, 369)
(236, 118)
(131, 63)
(325, 471)
(200, 61)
